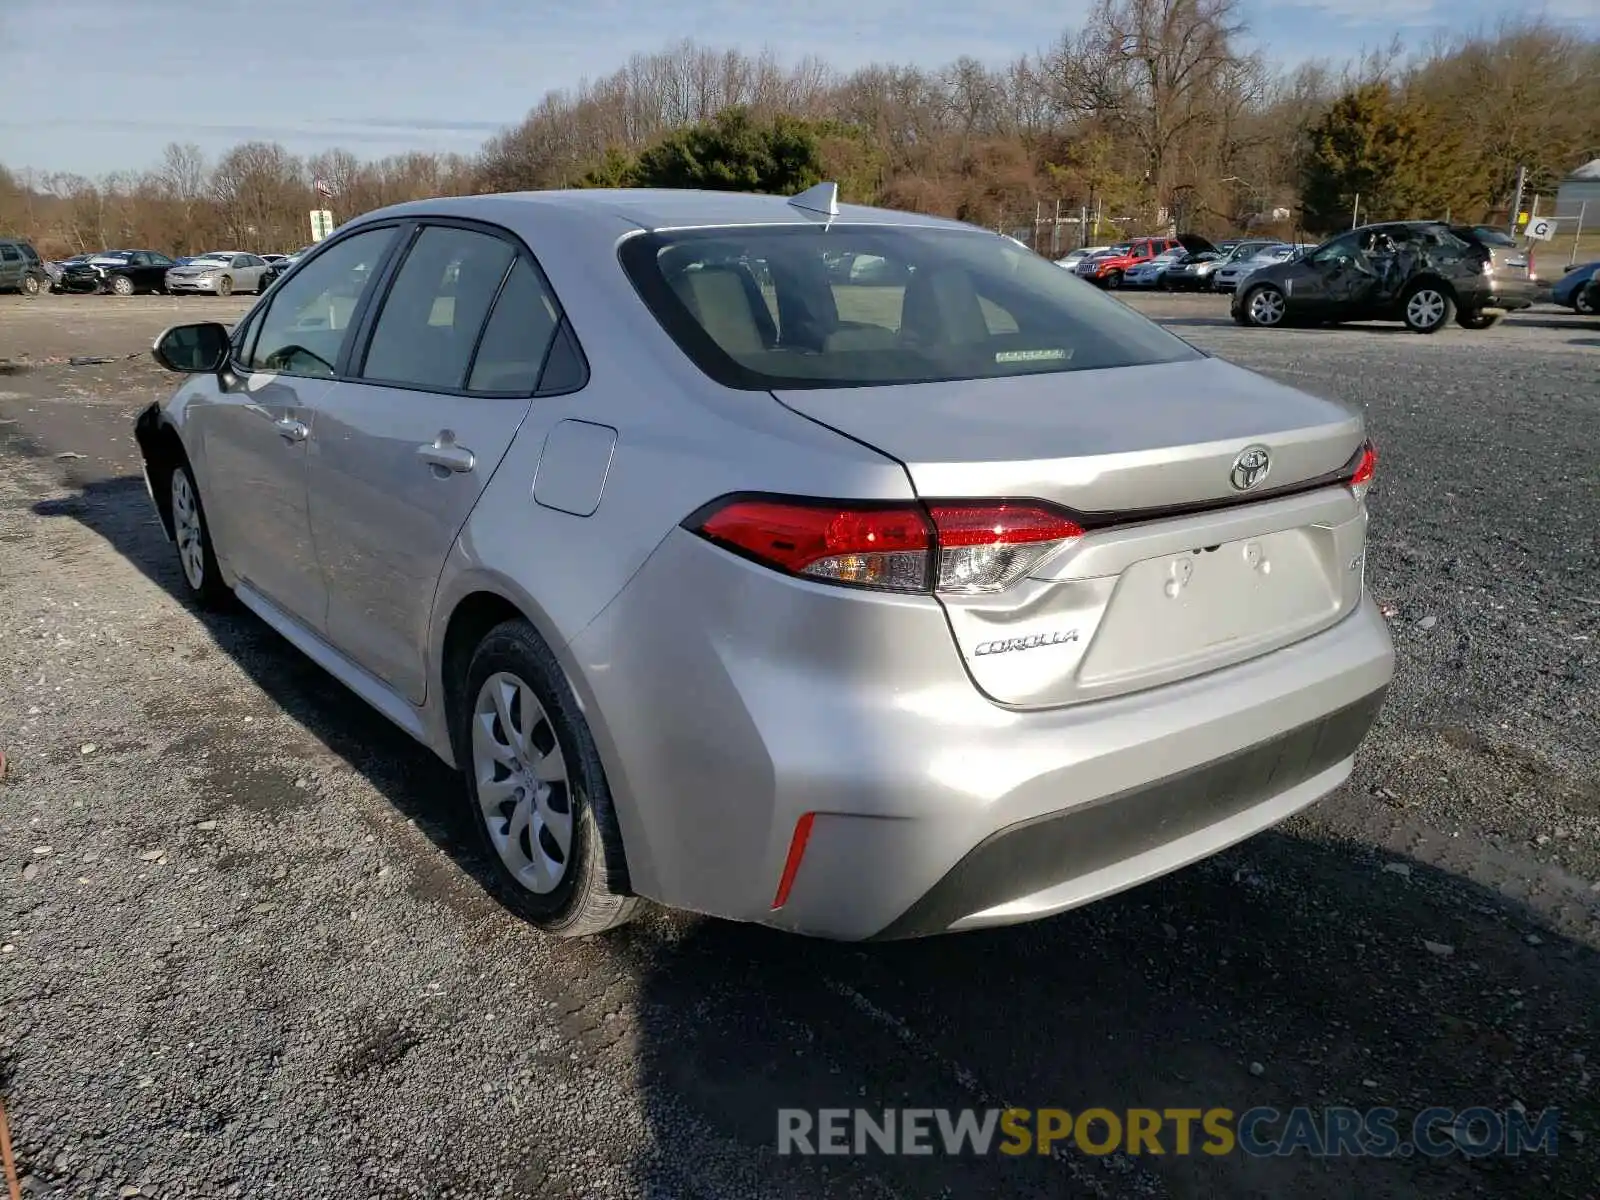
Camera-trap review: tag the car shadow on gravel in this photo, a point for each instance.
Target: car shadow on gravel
(1288, 971)
(1571, 321)
(1285, 972)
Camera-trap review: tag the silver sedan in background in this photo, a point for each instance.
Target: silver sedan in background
(221, 273)
(870, 604)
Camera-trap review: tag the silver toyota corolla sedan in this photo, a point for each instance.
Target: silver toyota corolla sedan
(865, 603)
(221, 273)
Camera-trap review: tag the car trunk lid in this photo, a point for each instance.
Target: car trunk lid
(1178, 571)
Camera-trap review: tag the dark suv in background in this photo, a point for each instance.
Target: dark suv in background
(20, 268)
(1424, 273)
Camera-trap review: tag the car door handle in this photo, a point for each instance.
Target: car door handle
(291, 430)
(444, 453)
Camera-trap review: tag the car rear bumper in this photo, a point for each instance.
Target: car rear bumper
(736, 702)
(1511, 295)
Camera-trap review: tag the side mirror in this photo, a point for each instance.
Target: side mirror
(193, 349)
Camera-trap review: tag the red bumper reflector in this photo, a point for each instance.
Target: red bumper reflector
(791, 865)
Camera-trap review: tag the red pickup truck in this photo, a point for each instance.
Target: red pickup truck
(1107, 268)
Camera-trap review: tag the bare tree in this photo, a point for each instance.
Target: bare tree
(1152, 69)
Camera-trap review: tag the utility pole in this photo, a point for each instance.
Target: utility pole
(1516, 201)
(1083, 226)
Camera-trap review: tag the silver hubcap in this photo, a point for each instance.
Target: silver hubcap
(121, 286)
(1425, 308)
(522, 782)
(186, 528)
(1582, 304)
(1266, 307)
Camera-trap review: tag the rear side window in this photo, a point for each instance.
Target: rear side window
(858, 305)
(10, 254)
(518, 336)
(1485, 235)
(436, 308)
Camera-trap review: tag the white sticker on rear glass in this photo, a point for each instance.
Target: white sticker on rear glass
(1011, 356)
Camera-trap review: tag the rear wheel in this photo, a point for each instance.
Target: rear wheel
(1428, 308)
(121, 285)
(1478, 320)
(539, 801)
(1265, 306)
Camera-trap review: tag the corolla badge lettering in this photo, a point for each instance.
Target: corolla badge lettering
(1033, 641)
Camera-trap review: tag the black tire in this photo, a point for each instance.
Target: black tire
(30, 286)
(208, 591)
(121, 285)
(1427, 307)
(1472, 320)
(1256, 308)
(1583, 302)
(225, 286)
(592, 894)
(1114, 280)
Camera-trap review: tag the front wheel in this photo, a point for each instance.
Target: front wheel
(225, 286)
(30, 286)
(121, 285)
(1114, 280)
(1265, 307)
(1428, 309)
(540, 804)
(1471, 320)
(192, 535)
(1582, 303)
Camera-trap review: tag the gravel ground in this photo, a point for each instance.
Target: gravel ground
(246, 953)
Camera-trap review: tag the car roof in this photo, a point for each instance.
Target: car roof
(1398, 225)
(652, 209)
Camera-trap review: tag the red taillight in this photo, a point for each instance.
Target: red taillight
(869, 547)
(1366, 468)
(984, 548)
(963, 548)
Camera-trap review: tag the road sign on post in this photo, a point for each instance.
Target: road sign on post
(1540, 229)
(321, 224)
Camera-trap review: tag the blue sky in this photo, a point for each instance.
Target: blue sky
(383, 76)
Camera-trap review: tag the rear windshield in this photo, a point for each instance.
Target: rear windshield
(858, 305)
(1486, 234)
